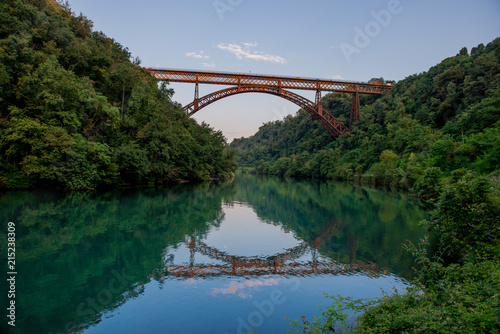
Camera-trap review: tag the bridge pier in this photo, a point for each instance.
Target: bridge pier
(354, 108)
(192, 252)
(196, 94)
(319, 105)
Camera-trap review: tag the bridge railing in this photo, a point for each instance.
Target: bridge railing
(285, 82)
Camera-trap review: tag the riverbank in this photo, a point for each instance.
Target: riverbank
(457, 290)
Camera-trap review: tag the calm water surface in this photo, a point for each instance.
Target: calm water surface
(203, 259)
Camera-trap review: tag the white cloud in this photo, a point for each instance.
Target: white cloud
(250, 45)
(245, 52)
(197, 55)
(239, 288)
(337, 77)
(208, 65)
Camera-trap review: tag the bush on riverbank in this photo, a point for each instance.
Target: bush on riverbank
(465, 299)
(457, 290)
(461, 294)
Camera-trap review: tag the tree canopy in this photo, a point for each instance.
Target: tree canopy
(77, 111)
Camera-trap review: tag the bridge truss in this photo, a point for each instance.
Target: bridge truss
(275, 85)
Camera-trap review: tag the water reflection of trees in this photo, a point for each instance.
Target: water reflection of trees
(347, 223)
(359, 228)
(71, 247)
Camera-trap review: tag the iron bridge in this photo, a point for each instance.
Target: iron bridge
(274, 85)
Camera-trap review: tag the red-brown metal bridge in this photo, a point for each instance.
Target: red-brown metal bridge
(275, 85)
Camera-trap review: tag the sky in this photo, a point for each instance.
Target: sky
(339, 39)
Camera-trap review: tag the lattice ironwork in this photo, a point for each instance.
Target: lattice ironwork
(332, 124)
(276, 85)
(221, 78)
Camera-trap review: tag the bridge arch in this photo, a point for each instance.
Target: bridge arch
(332, 124)
(275, 85)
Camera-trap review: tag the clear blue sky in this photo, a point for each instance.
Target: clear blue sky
(352, 40)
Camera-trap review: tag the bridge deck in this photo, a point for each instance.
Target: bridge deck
(291, 269)
(259, 80)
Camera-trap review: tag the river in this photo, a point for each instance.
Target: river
(209, 258)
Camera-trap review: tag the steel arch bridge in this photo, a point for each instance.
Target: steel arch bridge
(274, 85)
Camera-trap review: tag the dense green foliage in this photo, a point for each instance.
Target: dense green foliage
(76, 111)
(427, 126)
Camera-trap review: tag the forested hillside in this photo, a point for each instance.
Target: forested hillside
(438, 134)
(76, 111)
(427, 126)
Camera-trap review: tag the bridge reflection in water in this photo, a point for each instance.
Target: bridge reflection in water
(301, 260)
(282, 263)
